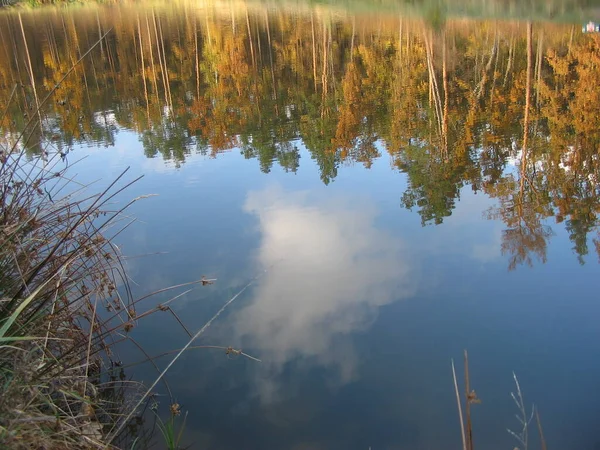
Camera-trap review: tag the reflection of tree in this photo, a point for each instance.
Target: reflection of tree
(525, 235)
(433, 185)
(448, 106)
(520, 204)
(169, 139)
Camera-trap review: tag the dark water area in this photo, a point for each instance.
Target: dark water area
(404, 188)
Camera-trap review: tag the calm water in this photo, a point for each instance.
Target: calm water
(409, 187)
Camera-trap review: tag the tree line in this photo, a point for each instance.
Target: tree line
(511, 109)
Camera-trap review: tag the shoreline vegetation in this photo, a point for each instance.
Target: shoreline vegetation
(66, 305)
(433, 11)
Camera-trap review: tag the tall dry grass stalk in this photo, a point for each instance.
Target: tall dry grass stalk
(470, 397)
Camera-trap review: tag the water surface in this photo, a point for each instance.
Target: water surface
(408, 187)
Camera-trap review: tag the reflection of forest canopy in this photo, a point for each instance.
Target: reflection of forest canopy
(509, 109)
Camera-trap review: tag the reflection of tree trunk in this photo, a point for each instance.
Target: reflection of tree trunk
(495, 75)
(111, 61)
(400, 42)
(257, 31)
(330, 65)
(31, 77)
(434, 91)
(143, 68)
(79, 54)
(5, 47)
(207, 28)
(407, 40)
(250, 39)
(511, 53)
(197, 59)
(571, 40)
(481, 86)
(17, 65)
(538, 67)
(352, 41)
(232, 22)
(445, 84)
(324, 72)
(100, 34)
(271, 58)
(526, 115)
(160, 61)
(161, 46)
(152, 60)
(314, 52)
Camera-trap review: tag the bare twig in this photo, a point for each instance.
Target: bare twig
(539, 425)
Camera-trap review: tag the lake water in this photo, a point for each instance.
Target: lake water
(400, 187)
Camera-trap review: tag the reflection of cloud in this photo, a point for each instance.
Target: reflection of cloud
(329, 269)
(488, 251)
(467, 232)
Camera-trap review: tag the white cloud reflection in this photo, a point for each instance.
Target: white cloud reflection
(328, 270)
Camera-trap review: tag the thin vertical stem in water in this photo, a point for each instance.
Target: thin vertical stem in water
(469, 431)
(539, 425)
(460, 413)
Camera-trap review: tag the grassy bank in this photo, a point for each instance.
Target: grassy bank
(59, 272)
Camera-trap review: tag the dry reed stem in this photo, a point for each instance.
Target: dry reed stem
(114, 433)
(539, 425)
(460, 413)
(469, 400)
